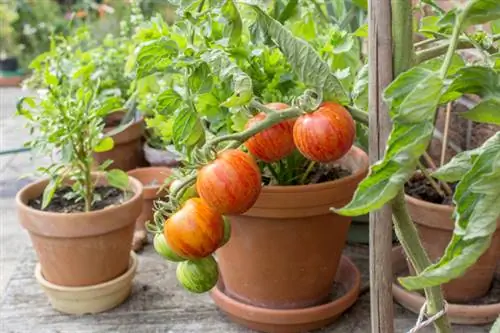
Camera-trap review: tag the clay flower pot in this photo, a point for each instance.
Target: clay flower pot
(158, 157)
(127, 152)
(284, 252)
(152, 179)
(81, 249)
(435, 227)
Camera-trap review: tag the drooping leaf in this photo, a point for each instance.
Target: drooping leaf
(105, 144)
(234, 25)
(155, 55)
(413, 98)
(476, 214)
(224, 68)
(486, 111)
(460, 164)
(118, 178)
(187, 129)
(305, 61)
(481, 81)
(49, 191)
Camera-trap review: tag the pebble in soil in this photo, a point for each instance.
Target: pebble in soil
(62, 202)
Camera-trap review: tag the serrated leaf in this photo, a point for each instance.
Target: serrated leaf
(476, 214)
(168, 101)
(461, 163)
(360, 89)
(482, 11)
(118, 178)
(234, 25)
(482, 81)
(224, 68)
(486, 111)
(200, 80)
(105, 144)
(155, 55)
(412, 111)
(49, 191)
(187, 129)
(305, 61)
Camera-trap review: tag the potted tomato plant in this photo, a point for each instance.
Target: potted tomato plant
(80, 220)
(232, 144)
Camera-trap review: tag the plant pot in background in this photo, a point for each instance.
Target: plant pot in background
(9, 65)
(152, 179)
(284, 252)
(10, 73)
(81, 249)
(158, 157)
(435, 227)
(127, 151)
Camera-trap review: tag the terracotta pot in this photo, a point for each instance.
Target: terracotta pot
(152, 179)
(159, 157)
(81, 249)
(284, 252)
(127, 152)
(435, 227)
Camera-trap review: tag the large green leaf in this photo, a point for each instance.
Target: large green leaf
(476, 214)
(413, 98)
(155, 55)
(486, 111)
(482, 11)
(224, 68)
(118, 178)
(168, 101)
(234, 25)
(305, 61)
(200, 80)
(187, 129)
(481, 81)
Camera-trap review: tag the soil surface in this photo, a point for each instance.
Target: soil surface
(324, 173)
(419, 187)
(108, 196)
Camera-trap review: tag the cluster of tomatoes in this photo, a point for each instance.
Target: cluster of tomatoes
(231, 184)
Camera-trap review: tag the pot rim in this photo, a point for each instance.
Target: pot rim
(135, 184)
(325, 185)
(151, 191)
(430, 205)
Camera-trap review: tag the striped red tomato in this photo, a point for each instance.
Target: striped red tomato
(195, 231)
(231, 183)
(326, 134)
(274, 143)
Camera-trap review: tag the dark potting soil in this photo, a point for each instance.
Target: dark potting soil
(419, 187)
(324, 173)
(108, 196)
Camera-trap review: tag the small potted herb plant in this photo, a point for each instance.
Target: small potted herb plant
(80, 220)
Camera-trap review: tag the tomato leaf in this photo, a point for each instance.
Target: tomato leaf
(487, 111)
(234, 25)
(224, 68)
(168, 101)
(187, 129)
(118, 178)
(482, 11)
(289, 11)
(305, 61)
(200, 81)
(476, 214)
(413, 98)
(155, 55)
(105, 144)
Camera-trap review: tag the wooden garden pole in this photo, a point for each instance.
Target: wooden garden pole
(380, 74)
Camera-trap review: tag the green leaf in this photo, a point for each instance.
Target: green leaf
(105, 144)
(363, 4)
(49, 191)
(168, 101)
(305, 61)
(118, 178)
(50, 78)
(413, 98)
(289, 11)
(200, 81)
(21, 111)
(460, 164)
(224, 68)
(187, 129)
(360, 89)
(487, 111)
(482, 11)
(476, 214)
(496, 326)
(362, 31)
(429, 24)
(482, 81)
(155, 55)
(234, 25)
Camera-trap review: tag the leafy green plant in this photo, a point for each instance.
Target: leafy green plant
(69, 119)
(8, 33)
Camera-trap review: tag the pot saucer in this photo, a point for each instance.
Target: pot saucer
(293, 320)
(89, 299)
(457, 313)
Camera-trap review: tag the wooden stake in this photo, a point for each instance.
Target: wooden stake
(380, 63)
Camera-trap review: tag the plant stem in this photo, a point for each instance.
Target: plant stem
(408, 236)
(445, 134)
(179, 191)
(358, 115)
(431, 180)
(273, 172)
(402, 36)
(308, 171)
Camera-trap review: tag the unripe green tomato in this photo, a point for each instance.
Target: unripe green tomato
(161, 246)
(227, 231)
(198, 276)
(189, 193)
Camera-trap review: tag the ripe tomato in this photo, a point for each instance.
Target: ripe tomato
(231, 183)
(195, 231)
(326, 134)
(274, 143)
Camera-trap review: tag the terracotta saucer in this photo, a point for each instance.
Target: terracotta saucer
(457, 313)
(293, 320)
